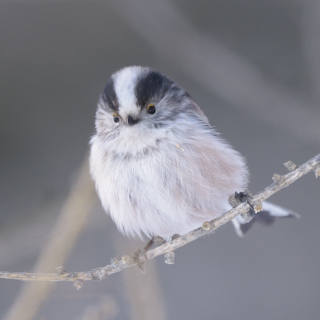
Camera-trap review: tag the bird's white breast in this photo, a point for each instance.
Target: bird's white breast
(165, 184)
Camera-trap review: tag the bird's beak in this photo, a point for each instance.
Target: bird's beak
(132, 121)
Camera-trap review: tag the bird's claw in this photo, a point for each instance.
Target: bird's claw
(137, 259)
(158, 241)
(246, 197)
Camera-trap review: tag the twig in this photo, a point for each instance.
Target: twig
(118, 264)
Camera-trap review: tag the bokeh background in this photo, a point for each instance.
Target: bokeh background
(252, 66)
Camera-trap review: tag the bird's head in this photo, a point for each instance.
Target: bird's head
(139, 106)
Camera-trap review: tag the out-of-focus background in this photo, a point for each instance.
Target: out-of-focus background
(252, 66)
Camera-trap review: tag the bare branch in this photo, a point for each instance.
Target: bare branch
(127, 261)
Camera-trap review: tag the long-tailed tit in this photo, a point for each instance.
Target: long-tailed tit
(159, 167)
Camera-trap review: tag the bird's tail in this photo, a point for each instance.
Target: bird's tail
(266, 217)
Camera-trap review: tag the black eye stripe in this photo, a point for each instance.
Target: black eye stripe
(109, 96)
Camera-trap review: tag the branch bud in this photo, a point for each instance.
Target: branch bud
(206, 226)
(125, 259)
(257, 206)
(78, 284)
(169, 257)
(291, 166)
(277, 178)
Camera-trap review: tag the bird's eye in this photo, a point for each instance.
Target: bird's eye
(151, 109)
(115, 117)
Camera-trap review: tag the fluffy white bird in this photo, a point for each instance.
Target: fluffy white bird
(159, 167)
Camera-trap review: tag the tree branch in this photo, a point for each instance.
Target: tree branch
(118, 264)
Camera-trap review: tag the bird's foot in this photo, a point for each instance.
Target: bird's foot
(242, 197)
(141, 263)
(158, 241)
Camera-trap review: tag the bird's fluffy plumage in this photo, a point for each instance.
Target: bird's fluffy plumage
(169, 172)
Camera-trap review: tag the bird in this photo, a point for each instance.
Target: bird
(159, 167)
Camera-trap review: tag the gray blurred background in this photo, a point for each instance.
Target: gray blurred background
(252, 66)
